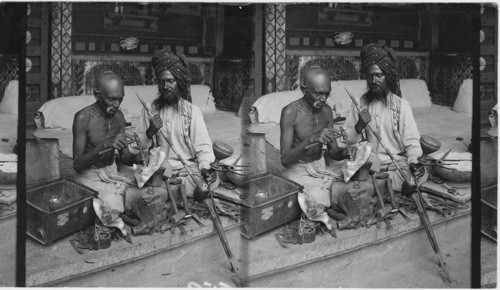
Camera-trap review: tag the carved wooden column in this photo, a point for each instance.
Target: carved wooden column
(61, 49)
(275, 47)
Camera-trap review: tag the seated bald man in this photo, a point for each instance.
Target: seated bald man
(96, 128)
(307, 124)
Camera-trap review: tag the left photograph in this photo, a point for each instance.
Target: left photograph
(125, 146)
(11, 40)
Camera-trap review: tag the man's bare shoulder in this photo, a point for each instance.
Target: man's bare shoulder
(83, 115)
(291, 108)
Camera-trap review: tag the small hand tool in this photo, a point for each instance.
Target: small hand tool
(129, 141)
(450, 189)
(395, 207)
(384, 210)
(189, 214)
(339, 135)
(178, 216)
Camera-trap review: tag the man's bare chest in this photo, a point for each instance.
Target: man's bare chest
(306, 124)
(101, 129)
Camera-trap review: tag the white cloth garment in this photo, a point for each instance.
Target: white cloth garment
(382, 121)
(173, 129)
(382, 115)
(195, 148)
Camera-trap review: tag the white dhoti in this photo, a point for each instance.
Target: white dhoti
(316, 178)
(110, 185)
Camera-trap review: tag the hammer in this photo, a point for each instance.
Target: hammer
(178, 216)
(384, 210)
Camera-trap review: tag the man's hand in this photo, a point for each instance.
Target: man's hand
(348, 152)
(417, 169)
(326, 135)
(364, 118)
(209, 175)
(154, 125)
(119, 142)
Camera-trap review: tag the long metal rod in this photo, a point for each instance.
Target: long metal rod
(417, 197)
(210, 203)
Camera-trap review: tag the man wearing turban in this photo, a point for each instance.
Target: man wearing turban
(389, 114)
(179, 120)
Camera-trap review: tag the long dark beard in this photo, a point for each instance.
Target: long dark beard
(166, 101)
(374, 95)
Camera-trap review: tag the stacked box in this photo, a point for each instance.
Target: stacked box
(55, 207)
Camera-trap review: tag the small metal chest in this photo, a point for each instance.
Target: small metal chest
(57, 209)
(271, 201)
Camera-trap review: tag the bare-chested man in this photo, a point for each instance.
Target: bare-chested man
(96, 128)
(304, 123)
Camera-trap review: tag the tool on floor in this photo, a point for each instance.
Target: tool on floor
(178, 216)
(342, 134)
(395, 207)
(417, 195)
(189, 214)
(208, 201)
(383, 210)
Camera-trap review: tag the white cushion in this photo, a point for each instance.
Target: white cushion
(267, 109)
(9, 104)
(339, 100)
(463, 102)
(59, 113)
(416, 93)
(203, 98)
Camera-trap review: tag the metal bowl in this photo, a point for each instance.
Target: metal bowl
(453, 175)
(237, 177)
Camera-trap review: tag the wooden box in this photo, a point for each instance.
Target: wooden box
(270, 202)
(58, 208)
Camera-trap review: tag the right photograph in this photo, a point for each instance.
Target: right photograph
(268, 145)
(367, 109)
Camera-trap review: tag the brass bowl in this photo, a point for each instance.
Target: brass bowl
(453, 175)
(237, 177)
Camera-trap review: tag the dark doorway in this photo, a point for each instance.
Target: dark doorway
(238, 31)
